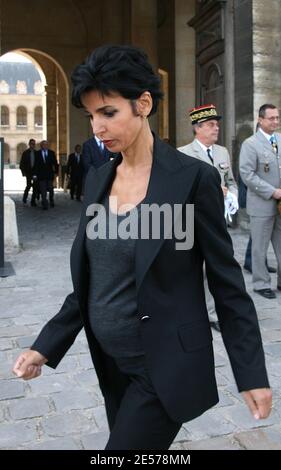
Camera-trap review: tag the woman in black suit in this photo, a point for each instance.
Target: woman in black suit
(140, 298)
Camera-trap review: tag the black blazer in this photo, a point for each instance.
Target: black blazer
(47, 170)
(174, 324)
(76, 170)
(92, 156)
(25, 164)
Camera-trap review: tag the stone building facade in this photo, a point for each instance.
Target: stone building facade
(221, 51)
(21, 108)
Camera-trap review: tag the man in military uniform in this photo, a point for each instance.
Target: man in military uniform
(205, 122)
(260, 169)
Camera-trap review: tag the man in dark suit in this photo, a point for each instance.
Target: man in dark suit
(26, 166)
(75, 172)
(45, 168)
(94, 154)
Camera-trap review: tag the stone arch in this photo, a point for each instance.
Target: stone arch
(55, 112)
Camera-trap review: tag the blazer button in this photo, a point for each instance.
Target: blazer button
(145, 318)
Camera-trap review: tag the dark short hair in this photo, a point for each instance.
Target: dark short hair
(263, 109)
(116, 68)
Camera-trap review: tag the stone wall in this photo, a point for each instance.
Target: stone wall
(266, 53)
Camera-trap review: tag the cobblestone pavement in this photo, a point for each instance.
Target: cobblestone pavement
(63, 409)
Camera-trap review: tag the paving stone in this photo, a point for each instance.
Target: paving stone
(86, 377)
(15, 434)
(5, 322)
(211, 424)
(260, 439)
(67, 423)
(73, 400)
(95, 441)
(216, 443)
(62, 443)
(14, 331)
(85, 361)
(29, 408)
(100, 418)
(273, 349)
(183, 435)
(26, 341)
(241, 417)
(74, 381)
(51, 384)
(27, 320)
(224, 399)
(5, 344)
(11, 389)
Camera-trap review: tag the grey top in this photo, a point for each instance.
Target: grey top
(112, 301)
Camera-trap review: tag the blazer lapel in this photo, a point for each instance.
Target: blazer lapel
(170, 183)
(265, 142)
(99, 180)
(200, 152)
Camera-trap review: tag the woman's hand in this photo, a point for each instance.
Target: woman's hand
(28, 364)
(259, 402)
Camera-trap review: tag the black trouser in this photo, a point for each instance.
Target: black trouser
(76, 188)
(141, 422)
(26, 191)
(46, 185)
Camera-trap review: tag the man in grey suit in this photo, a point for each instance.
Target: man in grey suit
(206, 130)
(260, 170)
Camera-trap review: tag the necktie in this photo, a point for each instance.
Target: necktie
(101, 147)
(44, 156)
(32, 158)
(78, 158)
(210, 155)
(273, 143)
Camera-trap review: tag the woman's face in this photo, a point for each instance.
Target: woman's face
(113, 120)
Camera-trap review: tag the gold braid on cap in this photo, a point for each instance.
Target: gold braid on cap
(203, 114)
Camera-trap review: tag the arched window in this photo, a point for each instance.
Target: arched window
(5, 116)
(20, 149)
(6, 153)
(38, 116)
(21, 116)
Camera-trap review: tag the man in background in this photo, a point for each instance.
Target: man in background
(27, 163)
(205, 122)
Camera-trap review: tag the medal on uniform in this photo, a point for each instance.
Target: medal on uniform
(266, 167)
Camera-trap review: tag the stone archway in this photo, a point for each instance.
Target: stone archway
(57, 106)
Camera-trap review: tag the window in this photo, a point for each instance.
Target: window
(21, 116)
(38, 116)
(5, 118)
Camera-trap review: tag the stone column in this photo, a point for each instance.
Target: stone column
(185, 69)
(52, 116)
(266, 53)
(143, 32)
(229, 117)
